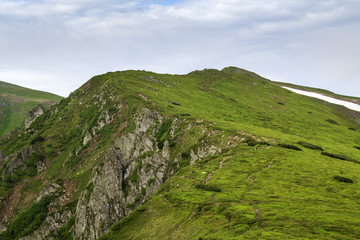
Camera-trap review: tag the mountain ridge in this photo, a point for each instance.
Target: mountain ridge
(207, 155)
(16, 102)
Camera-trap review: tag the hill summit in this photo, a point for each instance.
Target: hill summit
(207, 155)
(16, 102)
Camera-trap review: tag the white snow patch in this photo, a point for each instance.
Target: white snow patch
(349, 105)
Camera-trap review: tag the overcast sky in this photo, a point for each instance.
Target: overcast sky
(57, 45)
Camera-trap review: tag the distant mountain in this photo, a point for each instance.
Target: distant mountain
(16, 102)
(207, 155)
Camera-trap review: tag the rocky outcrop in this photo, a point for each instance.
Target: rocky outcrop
(52, 221)
(33, 114)
(48, 190)
(133, 169)
(103, 119)
(18, 162)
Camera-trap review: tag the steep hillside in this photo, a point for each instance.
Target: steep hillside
(16, 102)
(208, 155)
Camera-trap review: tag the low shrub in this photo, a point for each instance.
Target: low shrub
(357, 147)
(163, 132)
(310, 146)
(37, 139)
(250, 141)
(341, 157)
(131, 205)
(337, 156)
(343, 179)
(27, 221)
(332, 121)
(289, 146)
(208, 187)
(186, 154)
(64, 232)
(89, 190)
(150, 181)
(146, 154)
(143, 191)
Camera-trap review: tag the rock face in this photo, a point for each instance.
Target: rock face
(133, 169)
(53, 221)
(33, 114)
(18, 162)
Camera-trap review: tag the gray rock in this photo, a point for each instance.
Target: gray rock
(33, 114)
(18, 162)
(51, 224)
(48, 190)
(122, 170)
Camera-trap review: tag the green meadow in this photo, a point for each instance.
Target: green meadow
(293, 172)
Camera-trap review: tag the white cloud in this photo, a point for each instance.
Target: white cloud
(281, 38)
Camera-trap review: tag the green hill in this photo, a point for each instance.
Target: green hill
(16, 101)
(207, 155)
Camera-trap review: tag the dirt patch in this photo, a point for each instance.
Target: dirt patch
(207, 178)
(9, 204)
(213, 197)
(177, 229)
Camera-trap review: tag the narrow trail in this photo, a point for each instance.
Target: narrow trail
(167, 202)
(213, 197)
(177, 229)
(209, 175)
(207, 178)
(257, 211)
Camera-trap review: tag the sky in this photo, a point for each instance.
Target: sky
(57, 45)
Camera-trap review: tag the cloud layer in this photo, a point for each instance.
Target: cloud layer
(57, 45)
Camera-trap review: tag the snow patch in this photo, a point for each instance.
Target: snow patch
(349, 105)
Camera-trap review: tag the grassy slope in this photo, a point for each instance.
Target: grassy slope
(266, 191)
(17, 102)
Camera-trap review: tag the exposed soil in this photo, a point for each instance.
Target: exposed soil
(9, 204)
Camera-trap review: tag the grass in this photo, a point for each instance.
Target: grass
(27, 221)
(294, 177)
(17, 102)
(261, 184)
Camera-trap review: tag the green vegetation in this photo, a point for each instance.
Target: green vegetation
(89, 190)
(162, 134)
(256, 187)
(332, 121)
(341, 157)
(289, 146)
(208, 187)
(27, 221)
(343, 179)
(310, 146)
(16, 102)
(64, 232)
